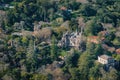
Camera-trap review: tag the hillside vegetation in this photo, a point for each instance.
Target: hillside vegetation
(35, 43)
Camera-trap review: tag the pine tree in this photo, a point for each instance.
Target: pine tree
(53, 48)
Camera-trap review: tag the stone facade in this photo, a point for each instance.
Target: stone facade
(70, 40)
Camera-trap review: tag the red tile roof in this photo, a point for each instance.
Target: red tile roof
(118, 51)
(94, 39)
(63, 8)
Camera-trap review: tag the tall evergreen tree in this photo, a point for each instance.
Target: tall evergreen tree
(54, 48)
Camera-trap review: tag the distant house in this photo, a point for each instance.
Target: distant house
(95, 39)
(63, 8)
(108, 62)
(105, 59)
(118, 51)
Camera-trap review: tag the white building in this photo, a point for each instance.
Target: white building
(105, 59)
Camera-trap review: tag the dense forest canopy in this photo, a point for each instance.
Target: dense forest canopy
(59, 39)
